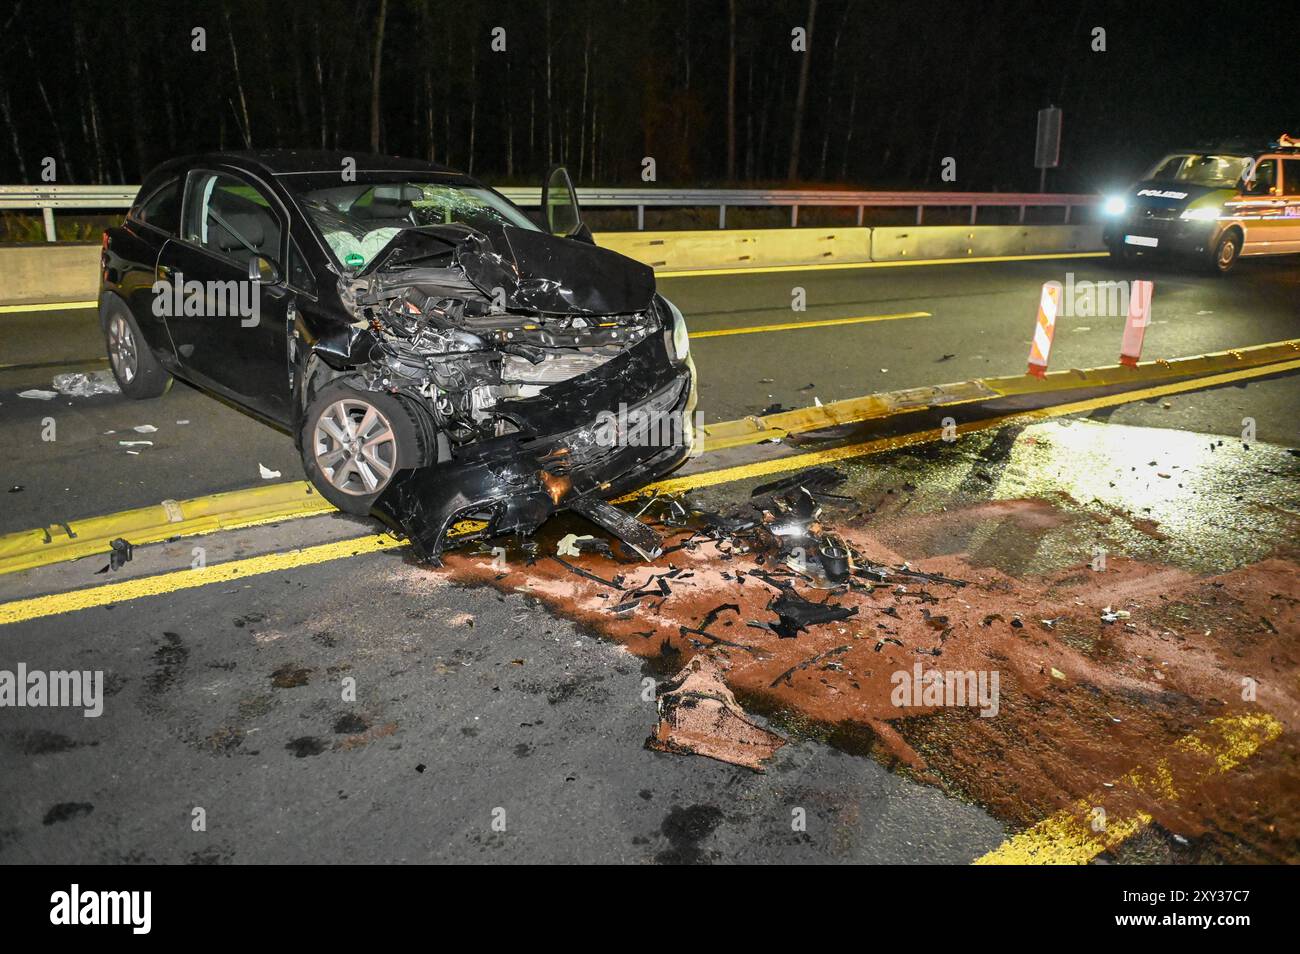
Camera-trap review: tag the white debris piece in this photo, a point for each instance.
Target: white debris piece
(81, 384)
(135, 443)
(36, 394)
(144, 429)
(266, 472)
(566, 546)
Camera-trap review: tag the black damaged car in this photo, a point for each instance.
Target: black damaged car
(438, 357)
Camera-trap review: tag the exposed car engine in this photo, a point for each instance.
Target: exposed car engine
(439, 338)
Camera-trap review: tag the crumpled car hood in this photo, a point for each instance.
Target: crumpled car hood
(535, 270)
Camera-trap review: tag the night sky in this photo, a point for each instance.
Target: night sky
(110, 89)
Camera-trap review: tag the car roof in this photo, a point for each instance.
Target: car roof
(279, 162)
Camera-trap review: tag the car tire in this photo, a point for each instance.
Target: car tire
(139, 374)
(351, 468)
(1226, 252)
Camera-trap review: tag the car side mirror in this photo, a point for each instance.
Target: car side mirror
(560, 205)
(263, 269)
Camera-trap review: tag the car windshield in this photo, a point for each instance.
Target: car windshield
(357, 219)
(1202, 169)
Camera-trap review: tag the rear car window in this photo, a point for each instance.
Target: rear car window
(162, 209)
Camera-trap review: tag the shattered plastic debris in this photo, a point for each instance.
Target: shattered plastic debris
(266, 472)
(795, 614)
(36, 394)
(627, 528)
(699, 715)
(118, 556)
(80, 384)
(568, 544)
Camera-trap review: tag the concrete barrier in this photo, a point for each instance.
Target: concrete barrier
(981, 241)
(32, 274)
(741, 248)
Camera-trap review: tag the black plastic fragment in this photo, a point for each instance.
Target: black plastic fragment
(583, 573)
(627, 528)
(119, 556)
(796, 614)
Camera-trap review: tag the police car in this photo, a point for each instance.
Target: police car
(1211, 205)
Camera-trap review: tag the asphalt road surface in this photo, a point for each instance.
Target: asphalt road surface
(982, 320)
(503, 719)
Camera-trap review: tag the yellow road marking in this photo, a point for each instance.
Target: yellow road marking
(48, 306)
(792, 325)
(832, 266)
(250, 507)
(778, 465)
(39, 606)
(310, 504)
(1069, 836)
(753, 429)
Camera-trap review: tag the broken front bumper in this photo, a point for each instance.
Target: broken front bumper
(513, 486)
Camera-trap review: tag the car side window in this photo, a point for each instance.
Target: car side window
(162, 210)
(1291, 176)
(1265, 178)
(230, 217)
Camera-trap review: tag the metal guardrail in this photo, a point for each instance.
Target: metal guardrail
(48, 198)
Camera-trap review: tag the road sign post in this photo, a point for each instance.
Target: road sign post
(1047, 143)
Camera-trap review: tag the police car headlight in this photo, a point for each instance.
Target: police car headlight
(1115, 205)
(1203, 214)
(679, 338)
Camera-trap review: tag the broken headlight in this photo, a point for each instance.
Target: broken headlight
(676, 335)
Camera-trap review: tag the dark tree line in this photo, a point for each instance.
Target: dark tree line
(711, 89)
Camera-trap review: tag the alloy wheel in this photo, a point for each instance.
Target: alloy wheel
(355, 447)
(121, 348)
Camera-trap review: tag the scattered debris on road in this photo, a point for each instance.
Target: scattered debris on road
(81, 384)
(118, 556)
(699, 715)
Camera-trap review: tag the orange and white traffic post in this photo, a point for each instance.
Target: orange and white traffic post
(1139, 316)
(1048, 306)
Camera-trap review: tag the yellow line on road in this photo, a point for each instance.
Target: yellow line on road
(778, 465)
(40, 606)
(834, 266)
(792, 325)
(48, 306)
(235, 510)
(1079, 833)
(755, 428)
